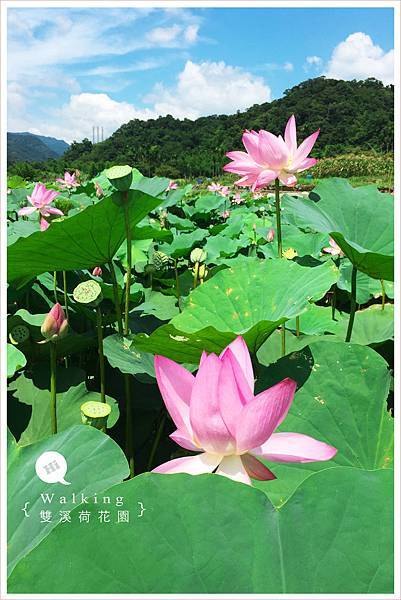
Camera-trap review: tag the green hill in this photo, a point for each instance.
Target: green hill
(352, 116)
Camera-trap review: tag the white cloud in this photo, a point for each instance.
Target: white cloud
(314, 60)
(272, 66)
(163, 35)
(191, 34)
(358, 57)
(208, 88)
(287, 66)
(74, 120)
(201, 89)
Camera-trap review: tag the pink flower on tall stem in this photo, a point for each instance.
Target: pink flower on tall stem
(41, 198)
(97, 272)
(217, 414)
(69, 181)
(333, 248)
(237, 198)
(269, 157)
(270, 235)
(172, 185)
(225, 214)
(99, 190)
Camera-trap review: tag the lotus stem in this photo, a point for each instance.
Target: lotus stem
(297, 326)
(353, 304)
(116, 295)
(53, 388)
(383, 293)
(129, 432)
(129, 260)
(279, 246)
(278, 218)
(177, 285)
(100, 352)
(333, 304)
(156, 441)
(55, 286)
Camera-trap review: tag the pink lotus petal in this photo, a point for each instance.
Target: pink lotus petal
(240, 351)
(260, 417)
(176, 385)
(290, 135)
(303, 150)
(44, 224)
(294, 447)
(306, 164)
(273, 150)
(232, 467)
(27, 210)
(230, 398)
(206, 419)
(182, 439)
(256, 469)
(287, 178)
(264, 178)
(54, 211)
(194, 465)
(251, 143)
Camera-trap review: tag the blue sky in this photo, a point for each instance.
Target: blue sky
(71, 68)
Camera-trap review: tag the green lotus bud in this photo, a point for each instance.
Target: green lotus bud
(120, 177)
(89, 293)
(95, 414)
(198, 255)
(160, 260)
(19, 334)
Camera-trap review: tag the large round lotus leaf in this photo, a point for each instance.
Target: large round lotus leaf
(72, 392)
(209, 535)
(359, 219)
(89, 238)
(342, 401)
(94, 461)
(251, 299)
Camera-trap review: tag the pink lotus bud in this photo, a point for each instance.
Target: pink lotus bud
(270, 235)
(55, 324)
(97, 272)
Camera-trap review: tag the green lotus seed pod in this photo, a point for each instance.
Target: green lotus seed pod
(120, 177)
(89, 293)
(160, 260)
(198, 255)
(95, 414)
(19, 334)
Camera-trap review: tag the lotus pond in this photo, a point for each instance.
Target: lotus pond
(218, 382)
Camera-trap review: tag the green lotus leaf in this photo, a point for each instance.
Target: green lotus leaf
(95, 462)
(89, 238)
(360, 220)
(15, 360)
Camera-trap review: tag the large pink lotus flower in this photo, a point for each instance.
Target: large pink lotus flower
(217, 414)
(333, 248)
(69, 181)
(55, 324)
(41, 198)
(269, 157)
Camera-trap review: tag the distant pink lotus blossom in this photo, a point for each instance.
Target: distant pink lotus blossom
(224, 191)
(55, 324)
(225, 214)
(214, 187)
(237, 199)
(270, 235)
(269, 157)
(171, 186)
(333, 249)
(99, 190)
(217, 414)
(68, 182)
(97, 272)
(41, 198)
(257, 195)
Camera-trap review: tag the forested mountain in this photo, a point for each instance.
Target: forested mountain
(30, 147)
(352, 116)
